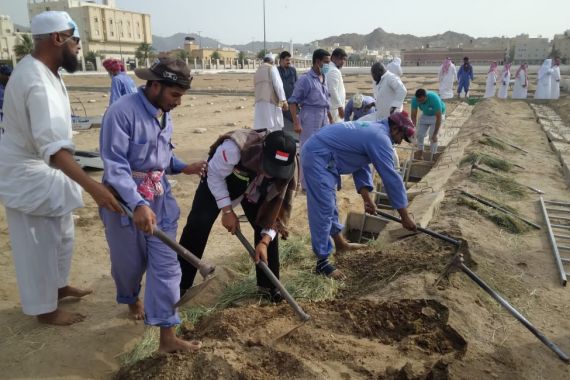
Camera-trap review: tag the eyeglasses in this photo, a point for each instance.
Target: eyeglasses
(70, 37)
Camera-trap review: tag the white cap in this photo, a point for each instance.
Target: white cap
(270, 56)
(53, 22)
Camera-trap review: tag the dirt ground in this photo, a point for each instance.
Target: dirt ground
(389, 322)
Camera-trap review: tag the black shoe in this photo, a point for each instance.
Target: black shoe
(272, 295)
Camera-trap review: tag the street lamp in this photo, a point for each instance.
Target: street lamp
(264, 47)
(200, 37)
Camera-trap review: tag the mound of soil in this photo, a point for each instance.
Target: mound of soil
(407, 339)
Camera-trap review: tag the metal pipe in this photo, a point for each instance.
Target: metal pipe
(204, 269)
(274, 280)
(559, 264)
(491, 204)
(514, 312)
(421, 229)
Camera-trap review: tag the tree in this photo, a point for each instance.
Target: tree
(216, 55)
(91, 57)
(24, 46)
(182, 54)
(262, 53)
(144, 52)
(242, 56)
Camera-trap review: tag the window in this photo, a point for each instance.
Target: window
(110, 22)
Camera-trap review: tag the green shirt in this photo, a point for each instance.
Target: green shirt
(431, 106)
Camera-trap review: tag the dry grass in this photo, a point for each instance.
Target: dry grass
(491, 161)
(499, 184)
(501, 219)
(493, 143)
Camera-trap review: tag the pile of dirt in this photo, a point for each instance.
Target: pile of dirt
(345, 338)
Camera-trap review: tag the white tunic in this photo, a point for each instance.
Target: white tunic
(390, 92)
(504, 87)
(266, 114)
(543, 84)
(520, 88)
(555, 83)
(446, 81)
(335, 85)
(37, 123)
(395, 67)
(491, 85)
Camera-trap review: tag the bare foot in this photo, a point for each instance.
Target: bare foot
(169, 342)
(70, 291)
(136, 310)
(337, 275)
(60, 318)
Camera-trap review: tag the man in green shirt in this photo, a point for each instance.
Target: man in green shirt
(433, 115)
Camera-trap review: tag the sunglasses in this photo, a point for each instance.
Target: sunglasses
(69, 37)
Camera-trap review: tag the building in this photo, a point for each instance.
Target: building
(206, 53)
(434, 57)
(104, 29)
(9, 37)
(531, 50)
(561, 44)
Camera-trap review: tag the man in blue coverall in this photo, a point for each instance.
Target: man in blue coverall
(464, 76)
(350, 148)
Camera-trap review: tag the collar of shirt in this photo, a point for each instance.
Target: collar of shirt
(317, 76)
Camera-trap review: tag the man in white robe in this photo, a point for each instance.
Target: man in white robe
(555, 79)
(520, 88)
(543, 84)
(270, 100)
(395, 67)
(389, 93)
(505, 81)
(41, 181)
(447, 74)
(491, 84)
(335, 84)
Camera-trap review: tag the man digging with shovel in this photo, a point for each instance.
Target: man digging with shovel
(253, 168)
(137, 153)
(350, 148)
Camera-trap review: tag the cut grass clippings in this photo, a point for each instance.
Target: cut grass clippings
(493, 143)
(499, 183)
(501, 219)
(491, 161)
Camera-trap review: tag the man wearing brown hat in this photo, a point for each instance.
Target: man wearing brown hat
(137, 154)
(253, 168)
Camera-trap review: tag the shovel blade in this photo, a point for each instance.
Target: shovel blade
(194, 291)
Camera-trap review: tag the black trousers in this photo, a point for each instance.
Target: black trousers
(201, 219)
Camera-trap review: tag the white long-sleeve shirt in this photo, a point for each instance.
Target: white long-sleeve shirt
(222, 164)
(337, 91)
(390, 92)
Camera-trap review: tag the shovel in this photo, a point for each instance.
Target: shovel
(274, 280)
(206, 270)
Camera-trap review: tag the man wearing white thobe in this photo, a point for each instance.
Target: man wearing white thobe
(520, 88)
(41, 181)
(389, 93)
(544, 81)
(395, 67)
(555, 79)
(447, 74)
(505, 81)
(270, 101)
(336, 84)
(491, 84)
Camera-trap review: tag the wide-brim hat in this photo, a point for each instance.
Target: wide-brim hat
(167, 69)
(279, 151)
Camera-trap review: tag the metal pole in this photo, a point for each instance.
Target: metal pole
(421, 229)
(264, 47)
(514, 312)
(274, 280)
(559, 264)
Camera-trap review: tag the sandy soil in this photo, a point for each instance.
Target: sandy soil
(389, 322)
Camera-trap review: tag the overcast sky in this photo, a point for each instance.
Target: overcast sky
(240, 21)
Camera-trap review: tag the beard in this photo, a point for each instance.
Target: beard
(70, 61)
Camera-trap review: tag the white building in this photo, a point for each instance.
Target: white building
(104, 29)
(562, 44)
(531, 50)
(9, 37)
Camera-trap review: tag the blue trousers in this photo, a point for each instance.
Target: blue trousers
(134, 252)
(312, 119)
(321, 178)
(463, 85)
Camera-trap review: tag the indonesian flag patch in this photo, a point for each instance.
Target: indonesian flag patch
(281, 156)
